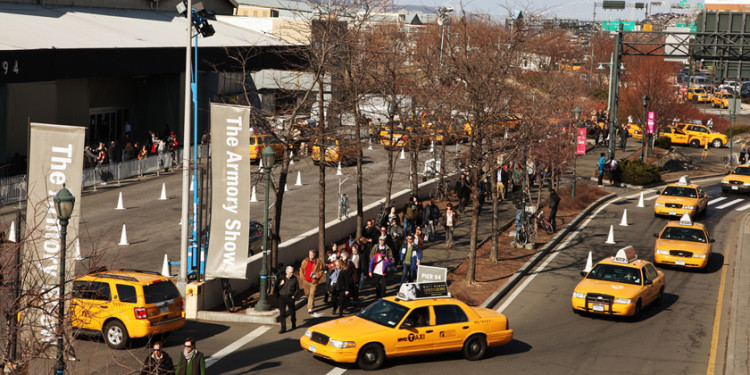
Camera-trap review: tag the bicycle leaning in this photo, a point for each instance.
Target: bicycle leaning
(542, 221)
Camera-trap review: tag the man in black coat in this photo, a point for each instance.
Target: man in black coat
(158, 362)
(340, 286)
(554, 201)
(288, 288)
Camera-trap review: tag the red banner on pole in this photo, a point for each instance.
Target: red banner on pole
(651, 123)
(581, 141)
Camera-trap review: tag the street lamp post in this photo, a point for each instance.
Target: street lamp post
(269, 158)
(577, 114)
(444, 19)
(643, 128)
(64, 202)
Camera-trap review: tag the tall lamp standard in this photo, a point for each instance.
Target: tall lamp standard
(577, 115)
(64, 202)
(269, 158)
(643, 129)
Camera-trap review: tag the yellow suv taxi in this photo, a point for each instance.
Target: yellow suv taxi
(697, 95)
(678, 137)
(681, 197)
(715, 139)
(337, 151)
(721, 100)
(738, 180)
(258, 143)
(683, 243)
(619, 285)
(408, 324)
(125, 304)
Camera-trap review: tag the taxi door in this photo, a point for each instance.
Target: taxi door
(416, 334)
(451, 325)
(651, 290)
(679, 137)
(702, 199)
(90, 304)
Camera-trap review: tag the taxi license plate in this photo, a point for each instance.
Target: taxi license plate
(598, 307)
(673, 213)
(164, 309)
(312, 348)
(735, 187)
(679, 262)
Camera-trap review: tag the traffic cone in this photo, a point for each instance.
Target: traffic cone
(338, 170)
(192, 183)
(640, 201)
(299, 179)
(291, 157)
(12, 235)
(253, 198)
(119, 203)
(403, 155)
(165, 267)
(624, 221)
(589, 264)
(286, 187)
(124, 237)
(163, 192)
(79, 257)
(260, 164)
(432, 146)
(611, 238)
(369, 147)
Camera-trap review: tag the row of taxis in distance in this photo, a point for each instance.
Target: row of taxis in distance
(404, 326)
(688, 134)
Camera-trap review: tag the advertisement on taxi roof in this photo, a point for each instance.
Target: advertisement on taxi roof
(581, 141)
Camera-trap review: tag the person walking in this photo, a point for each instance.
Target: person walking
(431, 215)
(288, 287)
(192, 362)
(450, 219)
(340, 284)
(411, 256)
(602, 162)
(554, 201)
(378, 267)
(410, 215)
(158, 362)
(462, 192)
(396, 234)
(310, 272)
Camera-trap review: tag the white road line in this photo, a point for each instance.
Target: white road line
(743, 208)
(651, 197)
(229, 349)
(552, 256)
(725, 205)
(336, 371)
(719, 199)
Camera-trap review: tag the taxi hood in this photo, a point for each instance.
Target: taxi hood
(348, 328)
(696, 247)
(608, 287)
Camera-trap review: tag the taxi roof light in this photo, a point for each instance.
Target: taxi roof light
(686, 219)
(625, 255)
(684, 180)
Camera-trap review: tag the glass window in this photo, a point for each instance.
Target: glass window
(160, 291)
(419, 317)
(126, 293)
(652, 275)
(384, 312)
(93, 290)
(447, 314)
(614, 273)
(684, 234)
(744, 171)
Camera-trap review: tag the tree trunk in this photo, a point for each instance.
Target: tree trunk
(321, 173)
(276, 222)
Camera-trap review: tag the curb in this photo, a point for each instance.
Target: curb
(501, 292)
(647, 186)
(270, 317)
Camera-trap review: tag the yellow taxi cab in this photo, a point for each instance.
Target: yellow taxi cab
(679, 137)
(702, 131)
(619, 285)
(721, 100)
(337, 151)
(414, 322)
(400, 137)
(635, 131)
(125, 304)
(680, 197)
(738, 180)
(683, 243)
(258, 143)
(697, 95)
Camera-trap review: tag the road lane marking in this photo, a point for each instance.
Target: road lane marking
(229, 349)
(651, 197)
(336, 371)
(717, 324)
(725, 205)
(719, 199)
(743, 208)
(551, 256)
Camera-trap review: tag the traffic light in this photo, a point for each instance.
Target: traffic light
(613, 4)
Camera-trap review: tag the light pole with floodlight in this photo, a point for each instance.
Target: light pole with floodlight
(269, 158)
(64, 203)
(577, 114)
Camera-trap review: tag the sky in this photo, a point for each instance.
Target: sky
(577, 9)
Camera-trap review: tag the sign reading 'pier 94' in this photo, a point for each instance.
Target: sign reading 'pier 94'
(230, 177)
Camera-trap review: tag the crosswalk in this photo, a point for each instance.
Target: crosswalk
(722, 202)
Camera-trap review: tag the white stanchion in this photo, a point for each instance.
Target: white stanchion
(260, 164)
(12, 235)
(432, 146)
(624, 221)
(291, 157)
(253, 198)
(120, 206)
(165, 267)
(79, 257)
(124, 237)
(611, 237)
(369, 147)
(163, 192)
(640, 201)
(338, 170)
(403, 155)
(299, 179)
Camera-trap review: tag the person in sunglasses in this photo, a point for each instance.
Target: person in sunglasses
(191, 360)
(158, 362)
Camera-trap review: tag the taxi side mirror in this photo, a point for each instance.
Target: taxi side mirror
(584, 273)
(712, 240)
(656, 235)
(648, 282)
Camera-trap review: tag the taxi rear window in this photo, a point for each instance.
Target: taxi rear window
(684, 234)
(680, 191)
(160, 292)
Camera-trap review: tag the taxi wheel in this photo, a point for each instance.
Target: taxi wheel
(370, 357)
(716, 143)
(474, 348)
(115, 335)
(659, 297)
(695, 143)
(637, 313)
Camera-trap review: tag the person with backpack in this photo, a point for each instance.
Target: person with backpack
(378, 267)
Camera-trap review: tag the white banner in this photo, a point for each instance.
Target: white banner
(230, 192)
(55, 159)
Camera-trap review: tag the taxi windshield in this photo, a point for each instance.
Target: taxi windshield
(615, 273)
(680, 191)
(384, 312)
(743, 171)
(683, 234)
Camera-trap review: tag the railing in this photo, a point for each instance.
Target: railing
(13, 189)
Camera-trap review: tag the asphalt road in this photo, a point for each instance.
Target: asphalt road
(674, 337)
